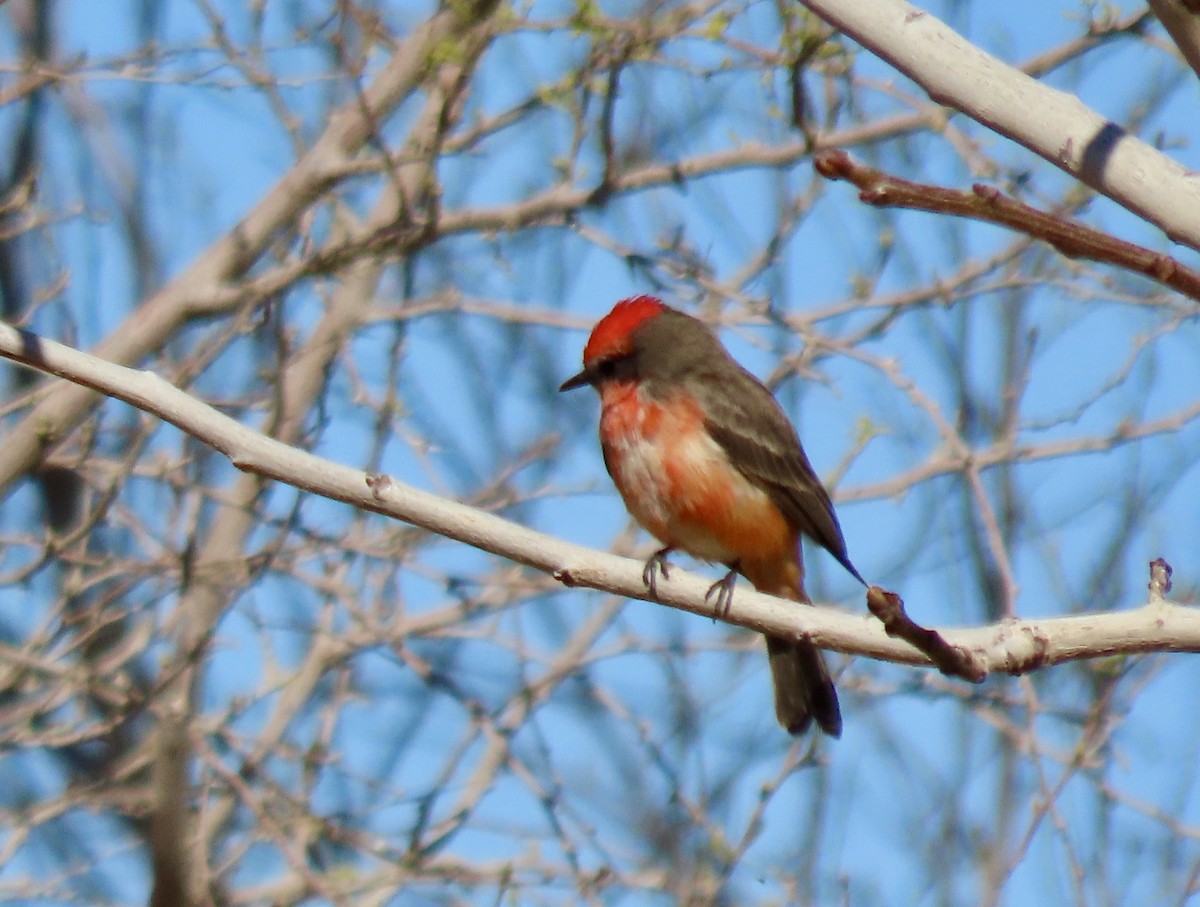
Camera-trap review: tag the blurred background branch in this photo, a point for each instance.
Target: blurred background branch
(377, 233)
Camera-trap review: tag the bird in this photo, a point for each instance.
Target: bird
(707, 462)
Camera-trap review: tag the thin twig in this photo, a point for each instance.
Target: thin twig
(987, 203)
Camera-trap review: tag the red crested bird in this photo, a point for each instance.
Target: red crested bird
(708, 463)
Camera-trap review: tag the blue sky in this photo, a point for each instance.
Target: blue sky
(214, 149)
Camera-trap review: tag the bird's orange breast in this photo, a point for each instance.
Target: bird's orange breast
(679, 484)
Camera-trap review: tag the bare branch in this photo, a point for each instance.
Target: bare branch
(1051, 123)
(199, 290)
(987, 203)
(1014, 647)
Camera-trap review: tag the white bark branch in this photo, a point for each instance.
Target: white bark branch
(1051, 123)
(1014, 646)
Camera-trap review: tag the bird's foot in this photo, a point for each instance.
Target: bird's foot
(655, 564)
(723, 590)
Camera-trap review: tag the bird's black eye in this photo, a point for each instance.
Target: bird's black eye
(606, 369)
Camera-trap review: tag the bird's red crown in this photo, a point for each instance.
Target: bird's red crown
(611, 335)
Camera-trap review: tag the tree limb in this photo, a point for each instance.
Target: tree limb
(1051, 123)
(1014, 647)
(986, 203)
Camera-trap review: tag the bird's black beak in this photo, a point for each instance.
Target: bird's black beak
(584, 377)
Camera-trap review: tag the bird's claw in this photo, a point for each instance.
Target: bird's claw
(723, 590)
(655, 564)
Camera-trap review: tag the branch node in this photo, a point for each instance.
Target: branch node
(1160, 579)
(832, 163)
(876, 196)
(985, 192)
(379, 483)
(1017, 663)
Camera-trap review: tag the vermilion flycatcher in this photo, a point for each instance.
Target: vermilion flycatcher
(707, 463)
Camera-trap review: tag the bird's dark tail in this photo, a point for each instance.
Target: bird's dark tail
(804, 690)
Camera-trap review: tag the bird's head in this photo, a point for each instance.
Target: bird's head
(611, 351)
